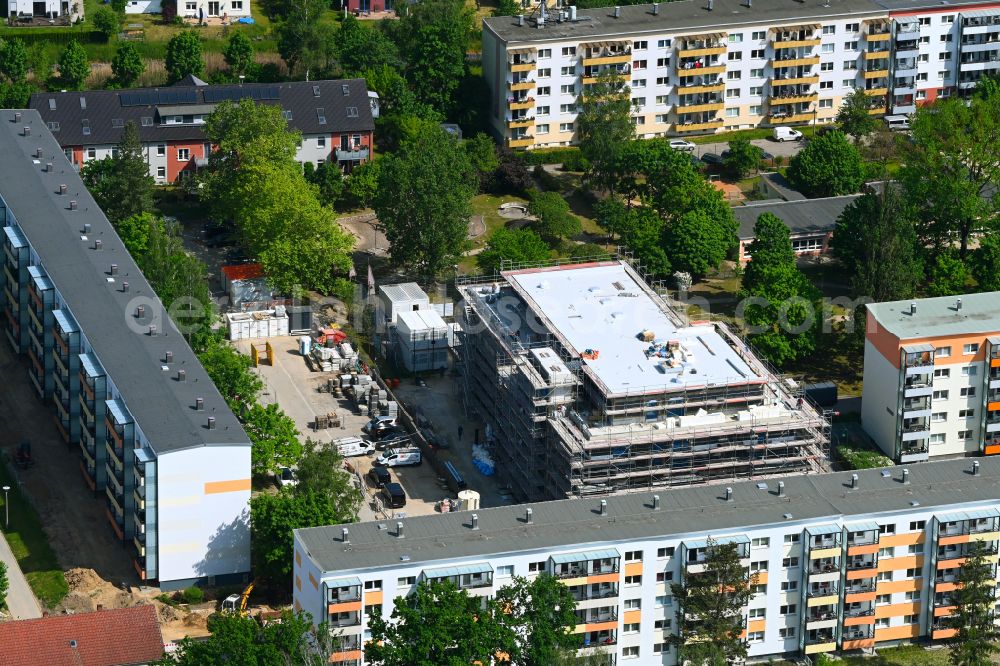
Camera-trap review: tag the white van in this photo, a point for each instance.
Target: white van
(399, 457)
(782, 134)
(897, 123)
(348, 447)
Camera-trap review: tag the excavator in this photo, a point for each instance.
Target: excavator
(237, 603)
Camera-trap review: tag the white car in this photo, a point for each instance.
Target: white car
(782, 134)
(286, 477)
(681, 144)
(348, 447)
(399, 457)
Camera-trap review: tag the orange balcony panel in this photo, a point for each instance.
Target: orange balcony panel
(603, 578)
(951, 564)
(756, 625)
(993, 406)
(632, 616)
(523, 67)
(905, 539)
(897, 563)
(761, 577)
(891, 586)
(957, 538)
(855, 621)
(862, 573)
(522, 85)
(946, 587)
(992, 450)
(696, 108)
(939, 634)
(876, 55)
(797, 81)
(898, 610)
(857, 597)
(528, 103)
(600, 626)
(941, 611)
(796, 43)
(693, 90)
(795, 62)
(633, 569)
(876, 74)
(697, 127)
(897, 633)
(698, 71)
(623, 59)
(862, 550)
(795, 99)
(995, 362)
(346, 655)
(859, 644)
(521, 143)
(373, 597)
(345, 607)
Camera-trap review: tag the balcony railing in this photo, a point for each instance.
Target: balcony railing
(824, 566)
(821, 613)
(861, 563)
(860, 587)
(823, 590)
(860, 611)
(587, 592)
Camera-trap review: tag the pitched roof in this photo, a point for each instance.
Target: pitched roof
(98, 117)
(136, 360)
(801, 217)
(119, 637)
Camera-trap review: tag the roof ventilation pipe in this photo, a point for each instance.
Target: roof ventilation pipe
(729, 494)
(656, 502)
(854, 480)
(656, 8)
(781, 488)
(399, 529)
(345, 535)
(604, 507)
(475, 521)
(528, 515)
(975, 468)
(618, 12)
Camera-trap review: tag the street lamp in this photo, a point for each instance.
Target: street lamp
(6, 507)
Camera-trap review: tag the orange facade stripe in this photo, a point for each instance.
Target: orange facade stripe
(862, 573)
(891, 586)
(347, 655)
(941, 611)
(992, 406)
(345, 607)
(939, 634)
(946, 587)
(957, 538)
(298, 583)
(859, 644)
(905, 539)
(897, 563)
(992, 450)
(858, 597)
(633, 569)
(855, 621)
(761, 577)
(86, 475)
(756, 625)
(373, 597)
(603, 578)
(898, 610)
(601, 626)
(298, 558)
(863, 550)
(897, 633)
(213, 487)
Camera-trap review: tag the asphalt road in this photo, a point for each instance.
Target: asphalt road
(21, 602)
(786, 149)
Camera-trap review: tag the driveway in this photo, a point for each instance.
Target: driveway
(21, 602)
(786, 149)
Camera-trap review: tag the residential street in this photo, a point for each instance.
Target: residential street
(21, 602)
(786, 149)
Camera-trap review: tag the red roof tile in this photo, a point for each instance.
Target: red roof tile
(118, 637)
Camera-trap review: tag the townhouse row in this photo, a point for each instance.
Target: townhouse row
(841, 561)
(699, 66)
(156, 442)
(335, 120)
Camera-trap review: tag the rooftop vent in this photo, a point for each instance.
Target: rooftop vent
(475, 521)
(38, 152)
(604, 507)
(17, 117)
(63, 189)
(906, 476)
(114, 269)
(399, 529)
(181, 375)
(975, 468)
(656, 8)
(152, 330)
(199, 404)
(656, 502)
(124, 287)
(520, 19)
(913, 307)
(168, 357)
(98, 244)
(211, 423)
(854, 480)
(618, 12)
(86, 227)
(26, 131)
(345, 535)
(140, 310)
(711, 5)
(958, 304)
(781, 488)
(729, 494)
(73, 205)
(49, 167)
(528, 517)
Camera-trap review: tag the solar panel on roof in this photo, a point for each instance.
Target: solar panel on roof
(258, 93)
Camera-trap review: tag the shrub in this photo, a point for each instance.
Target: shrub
(194, 595)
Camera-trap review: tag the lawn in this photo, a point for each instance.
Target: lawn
(905, 655)
(486, 205)
(31, 547)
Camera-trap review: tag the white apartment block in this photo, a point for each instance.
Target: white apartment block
(932, 377)
(842, 561)
(699, 66)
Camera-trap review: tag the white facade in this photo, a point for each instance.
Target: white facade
(73, 9)
(234, 9)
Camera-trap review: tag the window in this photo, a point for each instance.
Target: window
(663, 624)
(940, 395)
(826, 67)
(732, 92)
(913, 595)
(968, 392)
(786, 632)
(733, 112)
(663, 44)
(852, 27)
(665, 552)
(757, 73)
(664, 576)
(660, 648)
(633, 556)
(850, 65)
(888, 528)
(826, 85)
(758, 566)
(966, 413)
(757, 54)
(567, 108)
(161, 172)
(663, 62)
(917, 525)
(970, 371)
(788, 609)
(883, 599)
(942, 352)
(630, 652)
(662, 100)
(640, 45)
(663, 117)
(638, 102)
(789, 585)
(631, 628)
(568, 71)
(756, 91)
(373, 584)
(938, 439)
(792, 538)
(191, 6)
(882, 623)
(663, 80)
(373, 609)
(544, 53)
(924, 57)
(639, 120)
(970, 348)
(569, 50)
(542, 129)
(406, 581)
(568, 89)
(826, 48)
(321, 142)
(965, 435)
(91, 152)
(948, 19)
(542, 111)
(633, 604)
(736, 39)
(938, 417)
(826, 104)
(544, 90)
(755, 637)
(534, 567)
(924, 20)
(544, 72)
(942, 372)
(884, 576)
(759, 589)
(790, 562)
(850, 46)
(733, 76)
(921, 94)
(847, 83)
(638, 64)
(947, 38)
(633, 580)
(829, 29)
(756, 110)
(505, 570)
(237, 5)
(945, 56)
(886, 552)
(735, 55)
(757, 613)
(660, 601)
(183, 154)
(914, 573)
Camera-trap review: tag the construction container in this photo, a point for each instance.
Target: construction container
(403, 297)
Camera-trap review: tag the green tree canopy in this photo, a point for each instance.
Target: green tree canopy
(74, 67)
(127, 65)
(743, 157)
(519, 246)
(241, 639)
(604, 126)
(423, 201)
(272, 519)
(328, 180)
(121, 183)
(362, 182)
(4, 586)
(361, 47)
(507, 8)
(854, 116)
(695, 243)
(554, 219)
(320, 470)
(14, 60)
(184, 56)
(239, 53)
(541, 615)
(483, 156)
(231, 374)
(274, 438)
(771, 247)
(948, 275)
(986, 262)
(828, 166)
(978, 637)
(15, 95)
(107, 22)
(305, 41)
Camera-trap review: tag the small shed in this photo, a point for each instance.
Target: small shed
(423, 339)
(402, 297)
(245, 283)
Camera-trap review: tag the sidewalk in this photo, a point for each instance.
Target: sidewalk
(21, 602)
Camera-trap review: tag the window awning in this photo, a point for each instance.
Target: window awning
(968, 515)
(719, 541)
(867, 526)
(342, 582)
(586, 556)
(824, 529)
(118, 411)
(448, 572)
(520, 51)
(918, 349)
(981, 13)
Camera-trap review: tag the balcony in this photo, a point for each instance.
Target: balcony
(685, 70)
(859, 609)
(787, 39)
(823, 590)
(946, 553)
(521, 121)
(824, 565)
(907, 31)
(981, 24)
(698, 84)
(599, 638)
(862, 586)
(878, 52)
(594, 591)
(521, 142)
(359, 154)
(693, 47)
(597, 615)
(517, 84)
(822, 613)
(876, 31)
(577, 565)
(698, 126)
(517, 103)
(914, 451)
(345, 619)
(521, 65)
(907, 48)
(784, 63)
(699, 103)
(607, 56)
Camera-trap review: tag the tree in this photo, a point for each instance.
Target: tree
(74, 68)
(272, 519)
(362, 48)
(541, 613)
(437, 625)
(274, 437)
(876, 242)
(511, 175)
(771, 248)
(107, 22)
(329, 181)
(230, 372)
(710, 616)
(4, 585)
(15, 95)
(14, 60)
(518, 246)
(554, 219)
(395, 96)
(986, 262)
(320, 470)
(694, 243)
(483, 156)
(239, 54)
(743, 158)
(303, 39)
(423, 201)
(948, 275)
(184, 56)
(362, 182)
(134, 232)
(507, 8)
(241, 639)
(604, 125)
(828, 166)
(974, 598)
(127, 64)
(121, 183)
(854, 116)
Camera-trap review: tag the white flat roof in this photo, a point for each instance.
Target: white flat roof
(601, 307)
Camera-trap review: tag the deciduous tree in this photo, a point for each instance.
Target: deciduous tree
(272, 519)
(241, 639)
(854, 117)
(239, 54)
(320, 469)
(184, 56)
(361, 47)
(127, 65)
(121, 183)
(554, 221)
(518, 246)
(304, 39)
(978, 637)
(74, 67)
(362, 182)
(107, 22)
(507, 8)
(986, 262)
(274, 437)
(4, 585)
(230, 372)
(695, 243)
(14, 60)
(511, 176)
(542, 617)
(604, 126)
(828, 166)
(743, 157)
(483, 156)
(329, 181)
(948, 275)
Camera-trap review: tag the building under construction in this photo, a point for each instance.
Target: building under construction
(589, 383)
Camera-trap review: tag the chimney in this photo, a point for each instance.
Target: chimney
(399, 529)
(26, 131)
(781, 488)
(729, 494)
(913, 307)
(181, 375)
(475, 521)
(86, 228)
(618, 12)
(62, 189)
(199, 404)
(344, 535)
(958, 305)
(975, 468)
(520, 19)
(98, 244)
(211, 423)
(711, 5)
(114, 269)
(168, 357)
(604, 507)
(38, 152)
(140, 310)
(73, 204)
(49, 167)
(17, 117)
(656, 502)
(124, 287)
(528, 515)
(656, 8)
(854, 480)
(152, 330)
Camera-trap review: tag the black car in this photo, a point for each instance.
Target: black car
(711, 159)
(380, 477)
(395, 496)
(385, 431)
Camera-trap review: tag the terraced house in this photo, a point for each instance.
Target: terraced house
(843, 561)
(155, 440)
(700, 66)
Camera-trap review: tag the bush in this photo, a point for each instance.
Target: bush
(194, 595)
(575, 162)
(553, 156)
(862, 458)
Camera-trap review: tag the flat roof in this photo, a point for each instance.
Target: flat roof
(693, 511)
(688, 16)
(161, 405)
(602, 307)
(941, 316)
(801, 217)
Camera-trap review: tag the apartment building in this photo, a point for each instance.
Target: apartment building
(155, 440)
(590, 383)
(335, 119)
(699, 66)
(843, 561)
(932, 377)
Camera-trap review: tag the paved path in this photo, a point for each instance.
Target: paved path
(21, 602)
(786, 149)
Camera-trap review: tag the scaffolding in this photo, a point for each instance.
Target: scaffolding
(557, 431)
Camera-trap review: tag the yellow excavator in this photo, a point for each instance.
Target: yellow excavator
(237, 603)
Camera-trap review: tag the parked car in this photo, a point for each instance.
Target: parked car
(379, 476)
(712, 159)
(286, 477)
(386, 432)
(348, 447)
(400, 457)
(782, 134)
(897, 123)
(378, 422)
(392, 440)
(395, 496)
(681, 144)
